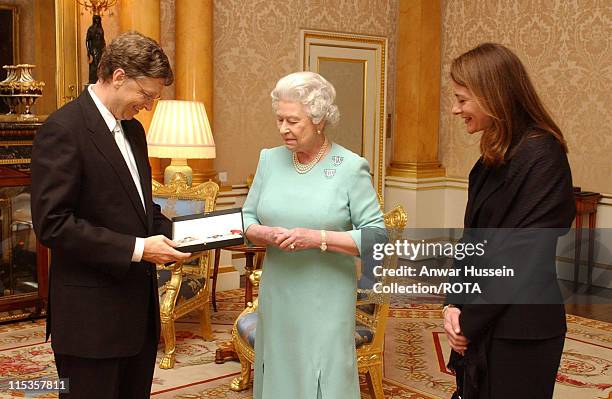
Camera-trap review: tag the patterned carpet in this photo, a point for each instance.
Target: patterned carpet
(416, 352)
(415, 356)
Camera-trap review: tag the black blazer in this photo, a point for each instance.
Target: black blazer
(533, 189)
(86, 209)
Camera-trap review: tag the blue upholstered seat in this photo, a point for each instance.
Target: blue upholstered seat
(363, 335)
(191, 285)
(247, 327)
(172, 207)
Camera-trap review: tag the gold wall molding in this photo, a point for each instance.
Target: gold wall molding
(66, 44)
(407, 188)
(416, 169)
(425, 184)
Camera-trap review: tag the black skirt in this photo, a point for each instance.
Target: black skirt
(508, 368)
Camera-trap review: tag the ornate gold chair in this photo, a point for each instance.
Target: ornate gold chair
(371, 321)
(184, 286)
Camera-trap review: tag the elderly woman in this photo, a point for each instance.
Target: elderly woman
(309, 204)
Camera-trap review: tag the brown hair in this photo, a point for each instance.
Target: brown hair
(138, 56)
(501, 86)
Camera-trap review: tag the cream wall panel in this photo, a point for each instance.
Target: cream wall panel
(601, 277)
(455, 200)
(228, 280)
(395, 195)
(429, 203)
(602, 272)
(423, 200)
(566, 47)
(604, 213)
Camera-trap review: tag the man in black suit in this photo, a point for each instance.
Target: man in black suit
(92, 206)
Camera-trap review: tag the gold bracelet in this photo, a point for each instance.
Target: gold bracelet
(323, 246)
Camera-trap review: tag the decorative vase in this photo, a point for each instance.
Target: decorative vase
(20, 87)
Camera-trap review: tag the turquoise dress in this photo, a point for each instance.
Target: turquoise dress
(305, 343)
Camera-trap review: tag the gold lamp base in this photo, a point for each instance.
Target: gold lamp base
(178, 165)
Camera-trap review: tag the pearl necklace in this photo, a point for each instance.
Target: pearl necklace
(302, 168)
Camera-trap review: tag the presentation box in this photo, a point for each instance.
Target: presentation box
(200, 232)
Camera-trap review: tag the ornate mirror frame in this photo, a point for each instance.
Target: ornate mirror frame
(371, 52)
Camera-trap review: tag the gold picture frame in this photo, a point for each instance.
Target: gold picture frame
(9, 42)
(9, 20)
(360, 52)
(68, 81)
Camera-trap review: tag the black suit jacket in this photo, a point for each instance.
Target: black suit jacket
(86, 209)
(533, 189)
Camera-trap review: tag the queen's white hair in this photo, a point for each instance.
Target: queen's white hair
(310, 89)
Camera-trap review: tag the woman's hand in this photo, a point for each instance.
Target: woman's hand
(273, 234)
(264, 235)
(452, 328)
(298, 239)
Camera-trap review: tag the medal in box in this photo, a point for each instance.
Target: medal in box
(218, 229)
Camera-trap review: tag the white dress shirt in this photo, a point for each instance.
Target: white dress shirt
(116, 130)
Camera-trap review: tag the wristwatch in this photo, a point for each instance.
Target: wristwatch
(323, 245)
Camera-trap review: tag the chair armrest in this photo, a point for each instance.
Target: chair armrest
(252, 306)
(174, 265)
(255, 277)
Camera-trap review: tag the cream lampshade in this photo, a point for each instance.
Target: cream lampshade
(180, 130)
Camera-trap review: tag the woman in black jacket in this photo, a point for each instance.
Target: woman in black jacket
(522, 181)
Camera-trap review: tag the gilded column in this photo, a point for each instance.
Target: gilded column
(143, 16)
(415, 147)
(194, 66)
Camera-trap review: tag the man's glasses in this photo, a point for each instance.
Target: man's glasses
(145, 95)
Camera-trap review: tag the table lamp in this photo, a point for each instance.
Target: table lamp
(180, 131)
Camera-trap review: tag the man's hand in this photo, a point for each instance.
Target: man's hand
(159, 249)
(452, 328)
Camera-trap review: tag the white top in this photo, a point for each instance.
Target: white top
(114, 126)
